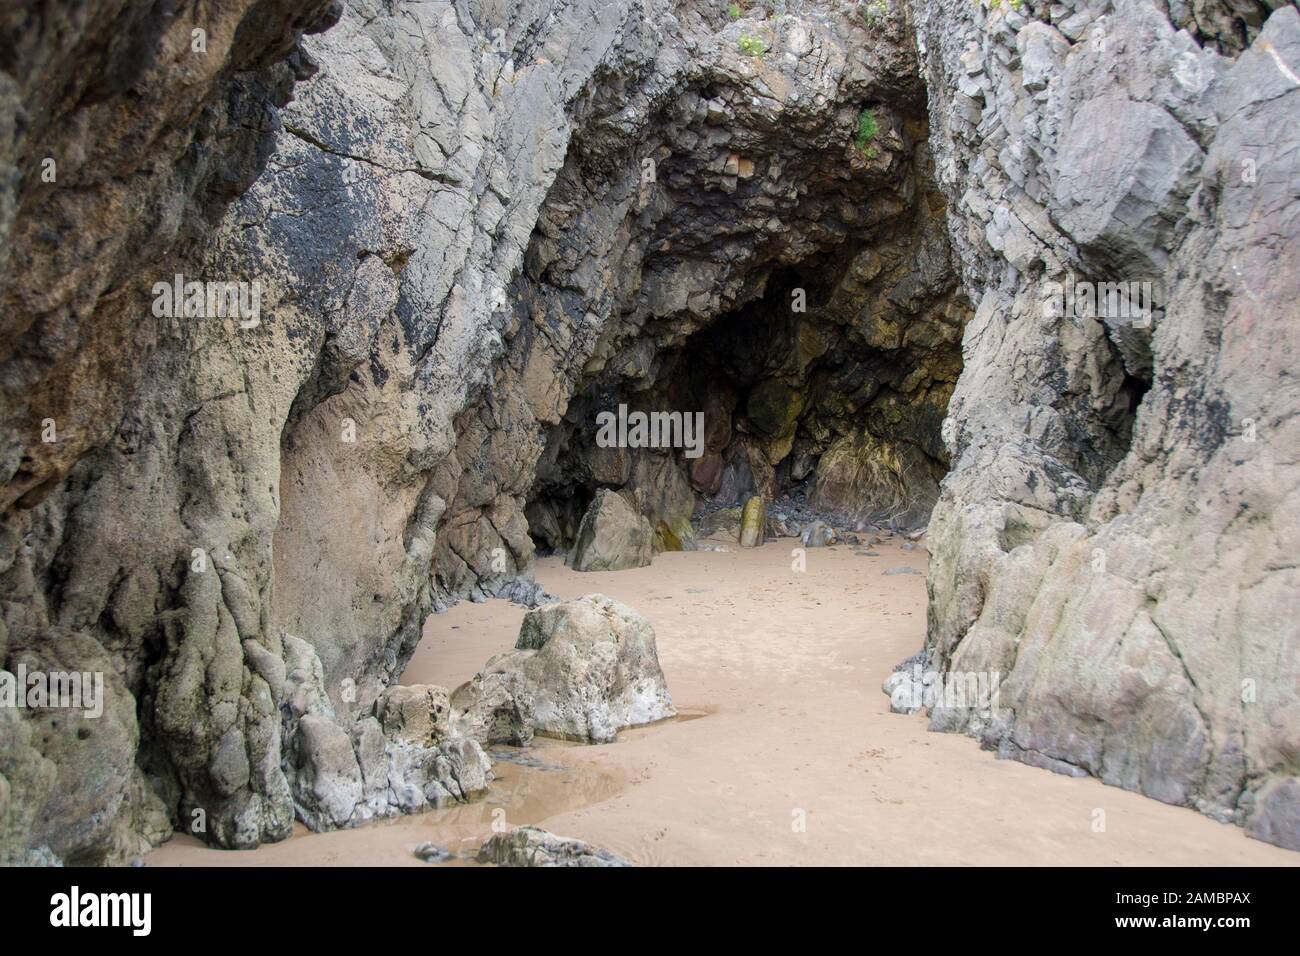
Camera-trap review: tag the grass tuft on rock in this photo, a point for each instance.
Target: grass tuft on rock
(867, 130)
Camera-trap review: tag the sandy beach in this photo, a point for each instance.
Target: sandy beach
(785, 751)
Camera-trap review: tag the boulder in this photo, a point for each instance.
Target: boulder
(493, 708)
(533, 846)
(418, 713)
(406, 758)
(612, 536)
(581, 670)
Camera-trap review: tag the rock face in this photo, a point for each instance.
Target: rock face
(612, 536)
(533, 846)
(581, 670)
(1126, 567)
(471, 235)
(125, 132)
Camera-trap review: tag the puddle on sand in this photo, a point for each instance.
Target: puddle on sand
(531, 784)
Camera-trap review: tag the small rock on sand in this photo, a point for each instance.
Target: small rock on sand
(533, 846)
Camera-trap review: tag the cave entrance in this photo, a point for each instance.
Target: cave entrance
(825, 394)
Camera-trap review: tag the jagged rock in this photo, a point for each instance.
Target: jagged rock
(862, 478)
(409, 757)
(525, 591)
(752, 523)
(1090, 549)
(327, 785)
(416, 713)
(582, 670)
(612, 536)
(533, 846)
(494, 708)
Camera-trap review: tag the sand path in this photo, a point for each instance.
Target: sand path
(777, 675)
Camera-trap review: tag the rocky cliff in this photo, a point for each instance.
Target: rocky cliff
(1128, 571)
(826, 226)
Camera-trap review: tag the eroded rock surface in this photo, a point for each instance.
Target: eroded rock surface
(581, 670)
(125, 132)
(404, 758)
(457, 244)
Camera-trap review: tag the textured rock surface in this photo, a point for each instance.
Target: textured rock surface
(533, 846)
(123, 139)
(612, 536)
(581, 670)
(404, 759)
(1130, 571)
(453, 237)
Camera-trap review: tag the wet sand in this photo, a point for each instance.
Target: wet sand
(785, 751)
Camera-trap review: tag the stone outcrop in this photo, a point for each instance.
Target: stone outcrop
(581, 670)
(1126, 567)
(403, 758)
(456, 246)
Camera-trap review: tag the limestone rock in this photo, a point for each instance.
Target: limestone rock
(666, 539)
(448, 297)
(612, 536)
(1087, 546)
(408, 758)
(418, 714)
(723, 523)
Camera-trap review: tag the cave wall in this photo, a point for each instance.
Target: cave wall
(123, 138)
(460, 257)
(1134, 584)
(442, 263)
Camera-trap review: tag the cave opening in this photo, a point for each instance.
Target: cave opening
(824, 394)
